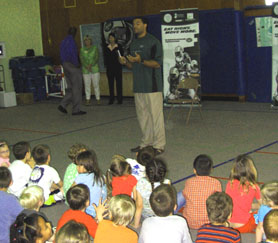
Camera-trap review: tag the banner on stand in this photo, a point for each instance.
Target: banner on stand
(274, 93)
(181, 52)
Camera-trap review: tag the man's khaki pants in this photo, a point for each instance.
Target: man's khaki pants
(149, 110)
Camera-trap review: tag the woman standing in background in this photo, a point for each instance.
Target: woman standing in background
(90, 68)
(113, 68)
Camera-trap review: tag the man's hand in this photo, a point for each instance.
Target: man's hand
(122, 60)
(133, 59)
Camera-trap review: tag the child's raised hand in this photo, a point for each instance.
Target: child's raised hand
(101, 209)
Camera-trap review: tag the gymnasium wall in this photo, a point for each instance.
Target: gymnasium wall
(20, 30)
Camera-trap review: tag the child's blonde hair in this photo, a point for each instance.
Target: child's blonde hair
(72, 232)
(244, 171)
(118, 167)
(270, 225)
(31, 197)
(121, 209)
(269, 193)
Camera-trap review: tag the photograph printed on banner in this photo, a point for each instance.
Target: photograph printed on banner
(181, 59)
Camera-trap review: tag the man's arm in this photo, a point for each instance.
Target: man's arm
(147, 63)
(125, 62)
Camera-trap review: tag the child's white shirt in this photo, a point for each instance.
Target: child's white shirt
(138, 170)
(44, 176)
(20, 175)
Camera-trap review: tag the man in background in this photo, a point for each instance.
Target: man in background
(73, 74)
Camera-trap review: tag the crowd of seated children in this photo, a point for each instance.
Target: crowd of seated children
(121, 209)
(155, 176)
(219, 209)
(78, 198)
(30, 229)
(270, 226)
(21, 168)
(88, 193)
(243, 189)
(90, 175)
(9, 205)
(195, 202)
(71, 171)
(46, 176)
(4, 154)
(118, 177)
(164, 227)
(73, 232)
(269, 193)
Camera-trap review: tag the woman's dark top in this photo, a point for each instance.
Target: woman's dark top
(111, 58)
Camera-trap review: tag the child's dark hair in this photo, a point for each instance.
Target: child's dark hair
(20, 150)
(163, 200)
(156, 171)
(77, 196)
(270, 225)
(118, 167)
(203, 165)
(5, 177)
(89, 160)
(3, 143)
(25, 229)
(219, 207)
(40, 154)
(145, 155)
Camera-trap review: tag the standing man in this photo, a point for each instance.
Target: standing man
(145, 61)
(73, 74)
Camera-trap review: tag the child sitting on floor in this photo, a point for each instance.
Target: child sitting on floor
(121, 210)
(269, 194)
(219, 209)
(21, 168)
(10, 206)
(270, 226)
(91, 176)
(197, 190)
(78, 198)
(71, 171)
(243, 189)
(155, 171)
(118, 177)
(32, 228)
(32, 199)
(164, 227)
(4, 154)
(46, 176)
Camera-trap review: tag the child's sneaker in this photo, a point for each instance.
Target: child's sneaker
(50, 201)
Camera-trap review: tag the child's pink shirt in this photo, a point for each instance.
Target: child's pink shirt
(242, 201)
